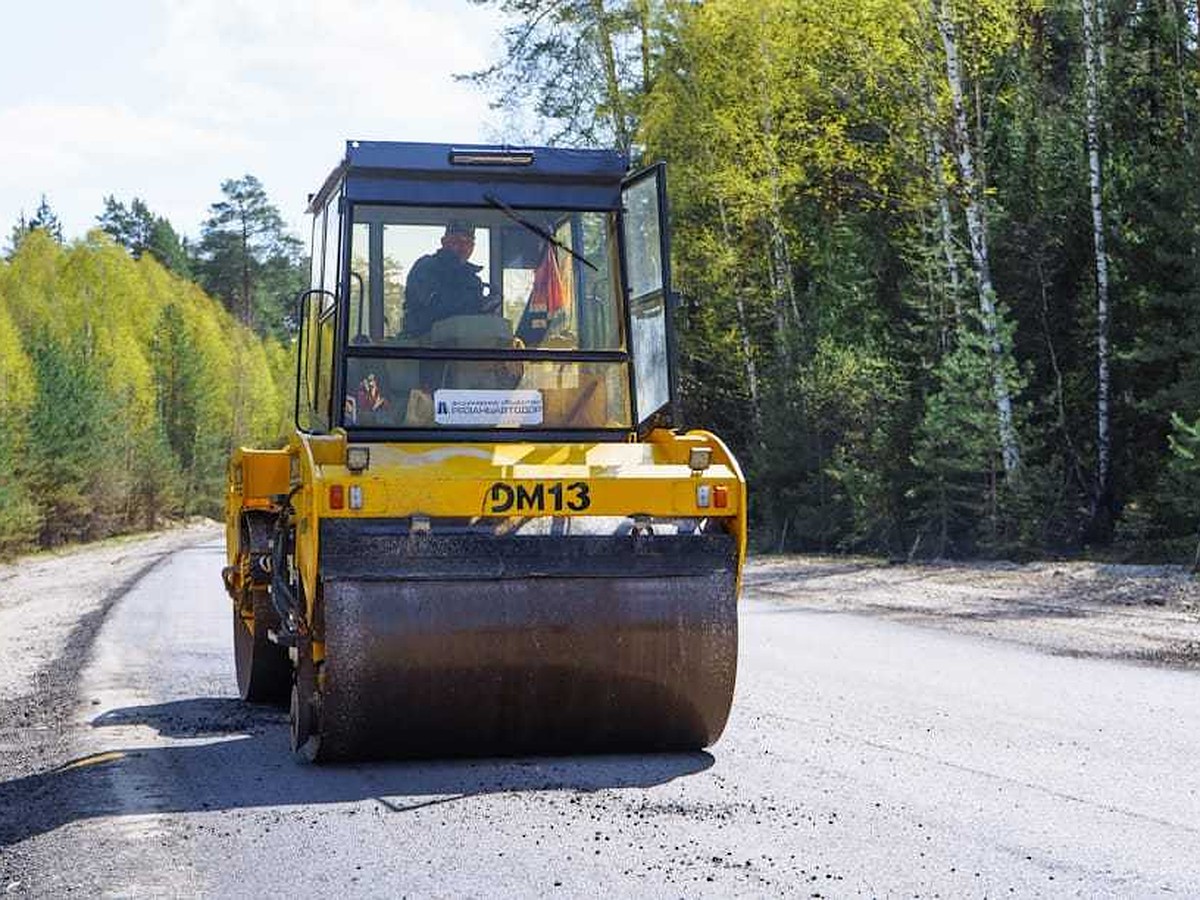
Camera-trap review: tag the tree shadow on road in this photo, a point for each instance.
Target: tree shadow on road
(236, 756)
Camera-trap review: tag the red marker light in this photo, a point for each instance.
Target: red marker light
(337, 496)
(720, 496)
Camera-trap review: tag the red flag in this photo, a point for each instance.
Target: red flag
(549, 295)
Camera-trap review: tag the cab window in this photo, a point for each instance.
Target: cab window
(494, 282)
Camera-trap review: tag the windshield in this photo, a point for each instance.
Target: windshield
(527, 300)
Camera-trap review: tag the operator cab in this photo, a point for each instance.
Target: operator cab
(564, 332)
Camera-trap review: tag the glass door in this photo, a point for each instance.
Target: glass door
(648, 270)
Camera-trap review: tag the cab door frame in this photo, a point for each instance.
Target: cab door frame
(646, 266)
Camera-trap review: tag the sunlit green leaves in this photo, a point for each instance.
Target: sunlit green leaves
(124, 388)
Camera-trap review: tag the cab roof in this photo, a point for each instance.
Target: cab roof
(422, 174)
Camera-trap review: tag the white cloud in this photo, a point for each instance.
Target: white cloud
(211, 90)
(78, 153)
(244, 61)
(65, 140)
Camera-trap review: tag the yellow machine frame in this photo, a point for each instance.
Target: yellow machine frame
(457, 480)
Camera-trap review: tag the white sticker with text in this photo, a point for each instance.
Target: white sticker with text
(452, 407)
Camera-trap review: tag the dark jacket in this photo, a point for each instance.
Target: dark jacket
(441, 285)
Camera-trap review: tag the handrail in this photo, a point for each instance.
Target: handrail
(300, 346)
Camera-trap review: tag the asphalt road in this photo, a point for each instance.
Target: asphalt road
(863, 757)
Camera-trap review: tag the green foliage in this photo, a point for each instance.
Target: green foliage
(831, 330)
(582, 65)
(823, 471)
(71, 464)
(1185, 441)
(19, 515)
(44, 219)
(140, 231)
(247, 259)
(125, 387)
(1173, 522)
(958, 498)
(780, 177)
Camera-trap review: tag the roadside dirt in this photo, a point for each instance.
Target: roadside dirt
(1148, 614)
(51, 605)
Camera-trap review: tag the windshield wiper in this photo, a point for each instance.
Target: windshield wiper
(536, 229)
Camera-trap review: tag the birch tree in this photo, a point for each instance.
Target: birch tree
(973, 208)
(1093, 59)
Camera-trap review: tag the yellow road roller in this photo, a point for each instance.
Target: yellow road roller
(488, 534)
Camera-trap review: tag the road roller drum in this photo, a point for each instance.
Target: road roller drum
(524, 645)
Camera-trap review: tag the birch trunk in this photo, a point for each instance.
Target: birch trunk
(977, 232)
(946, 223)
(1095, 185)
(936, 160)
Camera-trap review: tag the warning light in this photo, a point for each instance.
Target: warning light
(337, 497)
(720, 496)
(358, 459)
(699, 459)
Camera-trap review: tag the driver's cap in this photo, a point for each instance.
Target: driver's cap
(461, 229)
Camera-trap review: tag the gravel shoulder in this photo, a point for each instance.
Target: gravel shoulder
(1147, 614)
(51, 605)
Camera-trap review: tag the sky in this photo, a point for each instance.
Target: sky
(165, 99)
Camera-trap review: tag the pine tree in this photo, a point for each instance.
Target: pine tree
(178, 378)
(957, 497)
(17, 235)
(140, 231)
(1182, 477)
(246, 257)
(72, 426)
(46, 219)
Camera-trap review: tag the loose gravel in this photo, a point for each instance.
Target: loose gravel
(1147, 614)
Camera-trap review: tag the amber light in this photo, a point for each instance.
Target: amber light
(337, 496)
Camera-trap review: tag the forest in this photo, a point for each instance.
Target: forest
(937, 261)
(131, 364)
(937, 267)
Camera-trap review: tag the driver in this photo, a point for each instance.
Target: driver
(444, 283)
